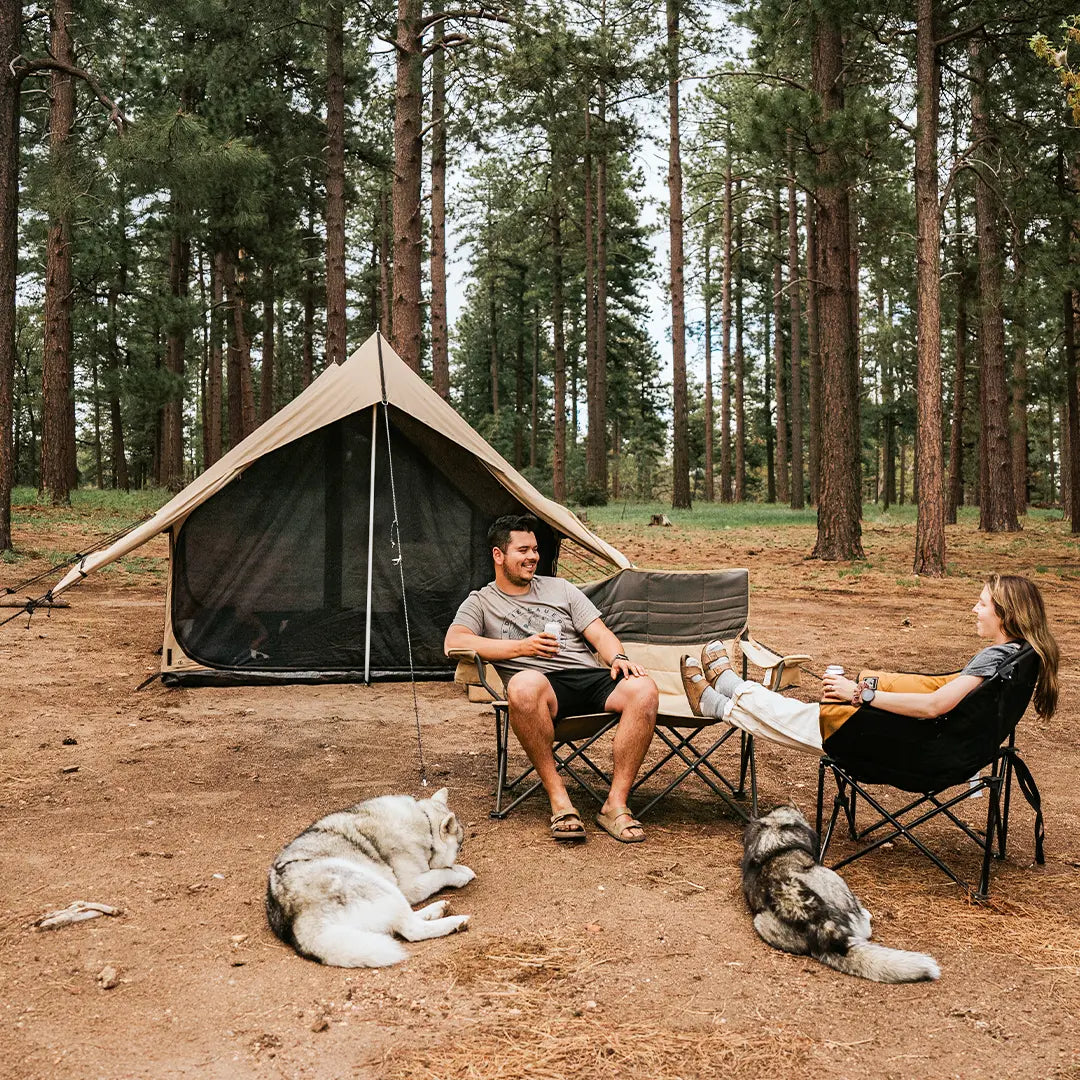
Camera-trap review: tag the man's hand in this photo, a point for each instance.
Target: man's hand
(627, 668)
(546, 645)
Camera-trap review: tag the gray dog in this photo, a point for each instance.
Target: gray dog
(341, 890)
(805, 908)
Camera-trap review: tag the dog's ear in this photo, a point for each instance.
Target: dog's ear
(448, 826)
(440, 796)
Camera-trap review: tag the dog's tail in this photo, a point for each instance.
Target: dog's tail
(336, 942)
(871, 961)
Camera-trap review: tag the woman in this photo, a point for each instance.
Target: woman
(1008, 612)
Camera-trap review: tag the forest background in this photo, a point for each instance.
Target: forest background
(871, 213)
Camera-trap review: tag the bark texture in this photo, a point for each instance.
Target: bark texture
(680, 481)
(997, 505)
(440, 350)
(930, 524)
(58, 470)
(335, 184)
(10, 26)
(408, 101)
(839, 533)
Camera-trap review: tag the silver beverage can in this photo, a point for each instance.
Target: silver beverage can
(555, 630)
(835, 669)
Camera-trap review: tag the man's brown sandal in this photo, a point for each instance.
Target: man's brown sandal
(610, 824)
(567, 825)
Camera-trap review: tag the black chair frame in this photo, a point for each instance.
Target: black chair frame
(902, 822)
(989, 715)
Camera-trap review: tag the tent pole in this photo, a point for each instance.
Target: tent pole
(370, 544)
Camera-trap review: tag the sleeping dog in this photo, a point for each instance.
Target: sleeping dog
(805, 908)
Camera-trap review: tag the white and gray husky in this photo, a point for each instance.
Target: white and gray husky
(805, 908)
(341, 890)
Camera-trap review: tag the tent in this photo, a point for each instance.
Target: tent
(285, 563)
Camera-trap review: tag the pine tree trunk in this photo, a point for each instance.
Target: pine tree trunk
(930, 524)
(997, 506)
(519, 378)
(706, 256)
(307, 349)
(740, 363)
(117, 456)
(1019, 403)
(266, 372)
(839, 526)
(234, 380)
(798, 494)
(680, 481)
(766, 417)
(10, 30)
(386, 271)
(888, 401)
(171, 460)
(813, 345)
(558, 450)
(1070, 457)
(243, 338)
(493, 344)
(598, 481)
(58, 417)
(408, 107)
(725, 334)
(592, 391)
(440, 349)
(955, 497)
(335, 184)
(534, 406)
(783, 491)
(212, 413)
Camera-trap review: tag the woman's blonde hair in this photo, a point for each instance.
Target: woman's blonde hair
(1019, 605)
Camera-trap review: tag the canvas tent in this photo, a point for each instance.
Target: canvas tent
(284, 560)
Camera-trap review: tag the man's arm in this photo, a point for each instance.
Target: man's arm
(607, 646)
(461, 637)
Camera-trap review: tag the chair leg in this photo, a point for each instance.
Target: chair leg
(820, 796)
(1003, 828)
(502, 736)
(993, 820)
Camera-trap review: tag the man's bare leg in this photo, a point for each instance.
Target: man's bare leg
(533, 706)
(635, 700)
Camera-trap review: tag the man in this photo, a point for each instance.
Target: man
(548, 676)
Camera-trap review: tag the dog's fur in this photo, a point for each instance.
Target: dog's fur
(341, 890)
(805, 908)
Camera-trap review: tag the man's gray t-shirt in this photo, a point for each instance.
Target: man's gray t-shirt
(987, 661)
(492, 613)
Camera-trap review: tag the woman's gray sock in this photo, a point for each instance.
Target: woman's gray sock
(728, 684)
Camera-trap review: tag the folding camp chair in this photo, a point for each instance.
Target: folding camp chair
(941, 760)
(658, 615)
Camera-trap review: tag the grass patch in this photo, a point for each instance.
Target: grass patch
(108, 510)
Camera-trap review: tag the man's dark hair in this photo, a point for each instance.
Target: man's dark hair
(501, 528)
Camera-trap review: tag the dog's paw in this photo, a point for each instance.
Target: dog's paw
(462, 923)
(463, 875)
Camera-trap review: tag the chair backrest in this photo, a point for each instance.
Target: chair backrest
(923, 754)
(673, 607)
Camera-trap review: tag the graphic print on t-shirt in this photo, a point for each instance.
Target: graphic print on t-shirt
(524, 620)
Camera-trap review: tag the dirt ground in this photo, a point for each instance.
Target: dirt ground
(599, 961)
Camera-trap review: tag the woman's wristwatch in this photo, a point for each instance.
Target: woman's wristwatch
(865, 692)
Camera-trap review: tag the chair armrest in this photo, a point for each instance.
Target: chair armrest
(472, 670)
(781, 670)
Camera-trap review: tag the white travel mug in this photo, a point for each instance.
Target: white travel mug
(555, 630)
(835, 669)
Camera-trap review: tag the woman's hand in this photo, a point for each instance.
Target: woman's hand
(838, 688)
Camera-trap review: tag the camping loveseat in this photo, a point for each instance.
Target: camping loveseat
(658, 615)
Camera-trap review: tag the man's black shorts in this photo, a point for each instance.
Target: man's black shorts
(580, 691)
